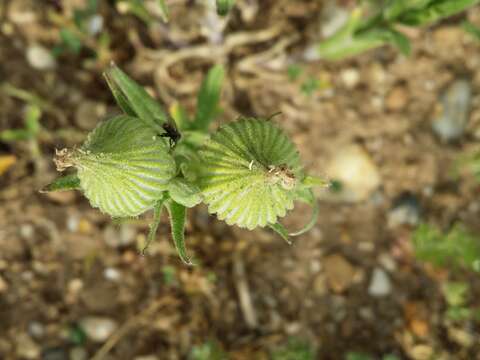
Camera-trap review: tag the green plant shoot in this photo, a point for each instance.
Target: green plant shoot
(248, 172)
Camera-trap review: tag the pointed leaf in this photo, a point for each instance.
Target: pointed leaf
(157, 212)
(208, 98)
(32, 117)
(133, 98)
(178, 216)
(280, 230)
(224, 6)
(15, 135)
(184, 192)
(64, 183)
(436, 11)
(164, 10)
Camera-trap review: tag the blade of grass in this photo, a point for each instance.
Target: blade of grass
(208, 98)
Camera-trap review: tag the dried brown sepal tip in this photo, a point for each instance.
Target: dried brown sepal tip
(63, 159)
(283, 175)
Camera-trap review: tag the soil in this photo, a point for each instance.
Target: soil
(62, 261)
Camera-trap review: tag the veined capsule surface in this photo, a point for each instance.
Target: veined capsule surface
(123, 167)
(250, 170)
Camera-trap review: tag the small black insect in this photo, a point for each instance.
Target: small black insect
(171, 132)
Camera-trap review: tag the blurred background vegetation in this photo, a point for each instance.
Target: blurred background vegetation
(381, 97)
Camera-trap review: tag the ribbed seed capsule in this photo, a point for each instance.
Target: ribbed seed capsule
(123, 168)
(250, 170)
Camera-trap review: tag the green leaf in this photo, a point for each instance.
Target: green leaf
(32, 117)
(398, 39)
(71, 41)
(123, 169)
(180, 115)
(395, 8)
(456, 248)
(157, 212)
(456, 293)
(294, 71)
(178, 216)
(15, 135)
(437, 10)
(295, 349)
(280, 230)
(184, 193)
(64, 183)
(137, 8)
(164, 10)
(134, 100)
(224, 6)
(208, 98)
(471, 29)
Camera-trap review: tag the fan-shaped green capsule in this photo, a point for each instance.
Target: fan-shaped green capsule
(250, 172)
(123, 167)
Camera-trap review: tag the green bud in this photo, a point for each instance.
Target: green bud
(250, 173)
(123, 168)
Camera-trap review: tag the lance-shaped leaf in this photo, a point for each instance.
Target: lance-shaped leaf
(178, 214)
(208, 98)
(249, 173)
(163, 10)
(281, 230)
(224, 6)
(134, 100)
(64, 183)
(435, 11)
(157, 212)
(122, 168)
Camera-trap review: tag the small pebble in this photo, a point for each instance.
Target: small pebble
(95, 24)
(116, 237)
(98, 329)
(40, 58)
(339, 273)
(26, 348)
(380, 284)
(36, 329)
(3, 285)
(55, 353)
(112, 274)
(146, 357)
(454, 111)
(356, 173)
(89, 113)
(333, 17)
(78, 353)
(350, 77)
(405, 211)
(421, 352)
(397, 99)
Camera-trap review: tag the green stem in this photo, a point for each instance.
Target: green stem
(314, 181)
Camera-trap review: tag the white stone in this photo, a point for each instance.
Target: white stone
(357, 173)
(350, 77)
(98, 329)
(380, 284)
(40, 58)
